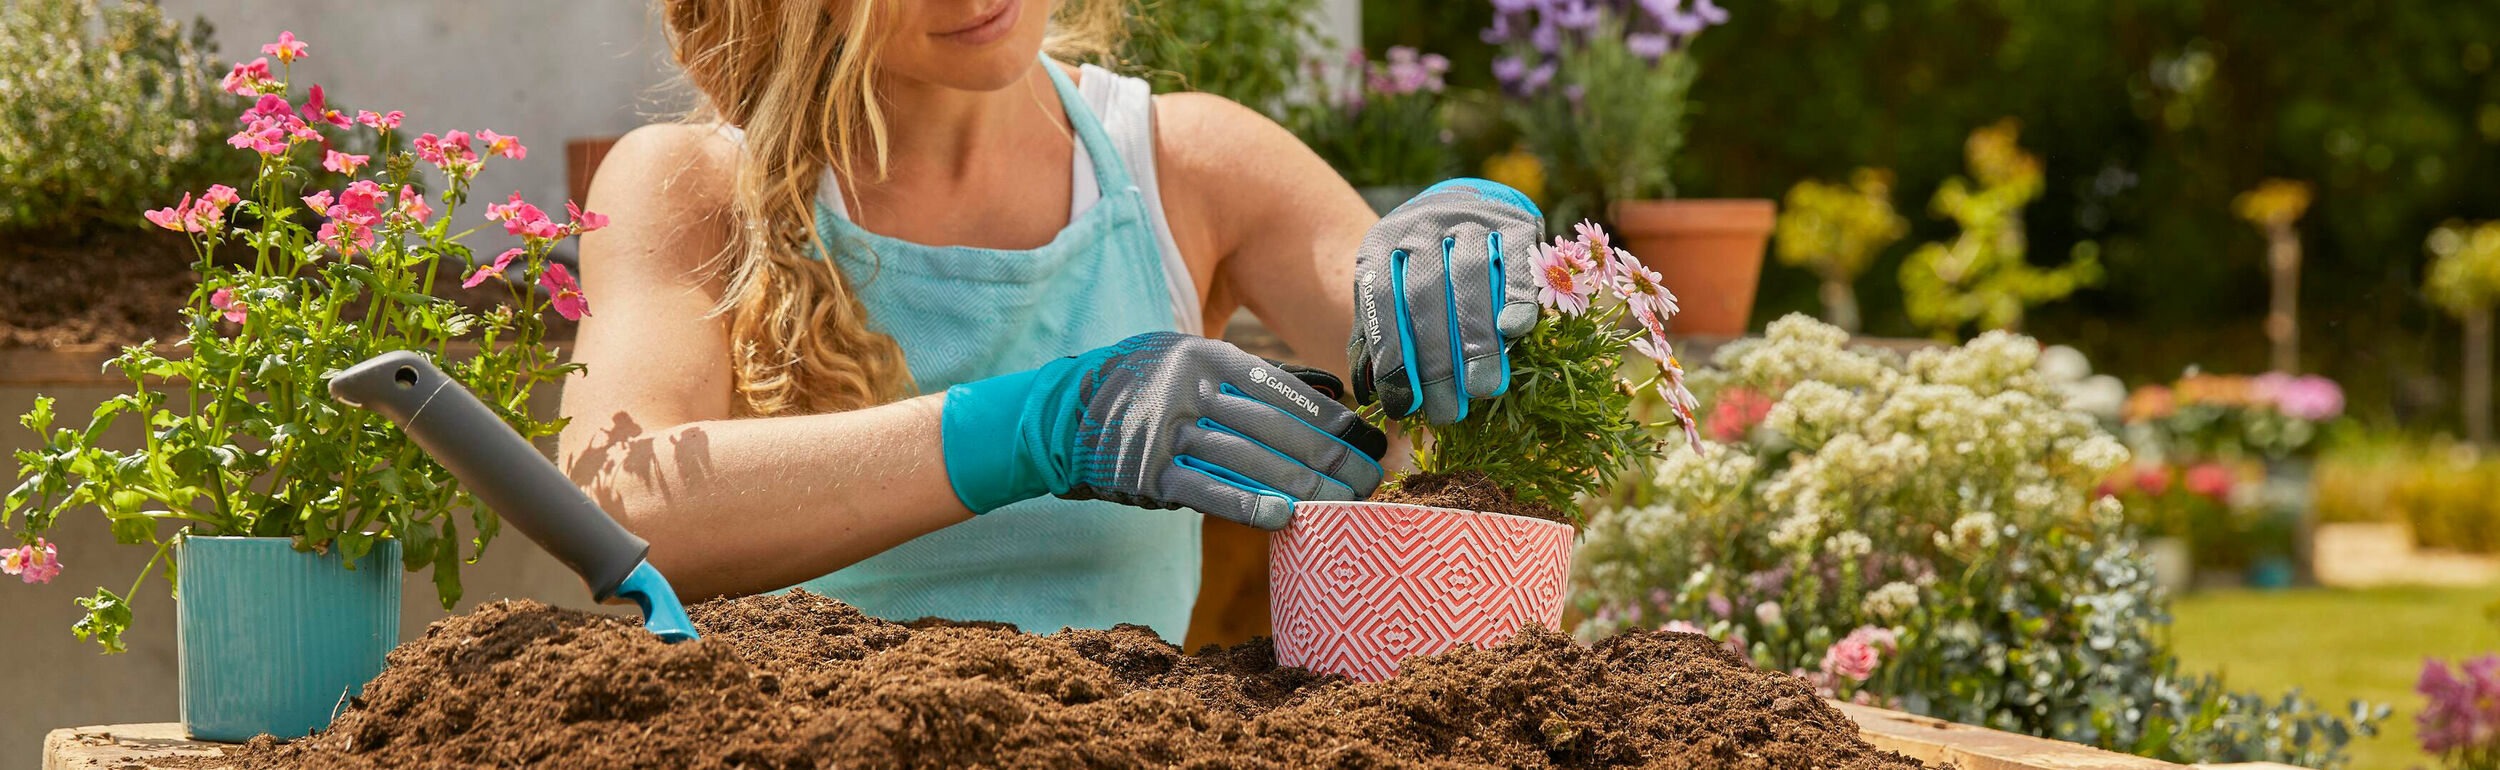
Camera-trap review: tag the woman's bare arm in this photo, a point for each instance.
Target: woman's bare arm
(1264, 217)
(731, 506)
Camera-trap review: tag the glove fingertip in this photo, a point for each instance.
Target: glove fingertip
(1516, 319)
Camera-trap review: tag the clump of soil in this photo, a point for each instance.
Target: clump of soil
(800, 680)
(1466, 491)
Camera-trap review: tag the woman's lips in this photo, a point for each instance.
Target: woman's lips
(989, 28)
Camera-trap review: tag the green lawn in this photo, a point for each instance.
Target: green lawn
(2338, 645)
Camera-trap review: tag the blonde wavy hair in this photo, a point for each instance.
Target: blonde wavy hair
(800, 78)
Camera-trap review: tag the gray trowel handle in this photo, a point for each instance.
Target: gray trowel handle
(495, 463)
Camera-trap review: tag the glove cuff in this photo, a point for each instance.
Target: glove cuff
(981, 435)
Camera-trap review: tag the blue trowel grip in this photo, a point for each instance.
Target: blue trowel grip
(498, 466)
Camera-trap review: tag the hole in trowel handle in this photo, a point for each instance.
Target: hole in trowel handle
(406, 376)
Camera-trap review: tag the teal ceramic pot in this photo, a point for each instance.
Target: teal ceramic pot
(273, 641)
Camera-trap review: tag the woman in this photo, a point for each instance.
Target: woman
(908, 271)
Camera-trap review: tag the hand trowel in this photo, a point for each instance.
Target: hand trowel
(514, 480)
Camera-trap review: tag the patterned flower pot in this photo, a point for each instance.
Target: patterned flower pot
(274, 641)
(1358, 587)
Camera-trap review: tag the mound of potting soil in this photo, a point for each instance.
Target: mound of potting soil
(1466, 491)
(800, 680)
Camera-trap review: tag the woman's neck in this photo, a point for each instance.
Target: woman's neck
(940, 133)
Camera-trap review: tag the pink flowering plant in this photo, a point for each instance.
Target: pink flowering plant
(1379, 123)
(1569, 395)
(242, 438)
(2460, 718)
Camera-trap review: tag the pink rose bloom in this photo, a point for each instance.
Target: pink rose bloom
(223, 299)
(1878, 638)
(1850, 658)
(35, 563)
(568, 301)
(2210, 479)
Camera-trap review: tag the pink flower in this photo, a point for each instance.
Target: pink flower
(265, 136)
(38, 562)
(220, 196)
(1561, 273)
(1681, 627)
(1851, 658)
(568, 301)
(1642, 287)
(317, 110)
(192, 215)
(1720, 606)
(1593, 236)
(451, 152)
(342, 162)
(2459, 713)
(502, 144)
(268, 106)
(223, 299)
(413, 206)
(584, 221)
(380, 120)
(248, 78)
(361, 202)
(172, 218)
(2211, 479)
(2310, 397)
(521, 218)
(349, 240)
(1881, 639)
(502, 262)
(1738, 410)
(287, 49)
(2153, 479)
(319, 202)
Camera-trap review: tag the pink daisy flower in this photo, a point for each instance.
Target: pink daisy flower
(1562, 274)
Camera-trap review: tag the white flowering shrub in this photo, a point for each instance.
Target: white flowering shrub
(1921, 532)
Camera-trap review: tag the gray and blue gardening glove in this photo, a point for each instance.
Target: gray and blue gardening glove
(1160, 420)
(1441, 288)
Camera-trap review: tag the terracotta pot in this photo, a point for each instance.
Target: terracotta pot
(1359, 587)
(1708, 251)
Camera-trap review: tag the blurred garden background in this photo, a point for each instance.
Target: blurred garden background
(2258, 238)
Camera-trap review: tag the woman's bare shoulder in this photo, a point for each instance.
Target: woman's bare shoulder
(668, 188)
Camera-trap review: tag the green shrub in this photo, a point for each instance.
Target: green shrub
(1249, 51)
(2443, 490)
(1921, 532)
(106, 109)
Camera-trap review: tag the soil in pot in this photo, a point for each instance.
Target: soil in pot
(799, 680)
(1466, 491)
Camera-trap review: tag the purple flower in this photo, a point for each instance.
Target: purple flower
(1709, 12)
(1499, 33)
(1574, 15)
(2460, 713)
(1647, 46)
(1546, 37)
(1509, 69)
(1513, 6)
(1537, 78)
(1720, 606)
(1681, 24)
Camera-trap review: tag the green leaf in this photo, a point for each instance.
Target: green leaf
(447, 566)
(107, 616)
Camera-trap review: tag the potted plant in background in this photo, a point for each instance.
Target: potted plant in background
(1598, 94)
(1477, 543)
(1836, 231)
(1379, 123)
(282, 501)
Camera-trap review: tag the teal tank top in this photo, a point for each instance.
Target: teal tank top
(962, 314)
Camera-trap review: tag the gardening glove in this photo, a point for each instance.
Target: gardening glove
(1160, 420)
(1441, 288)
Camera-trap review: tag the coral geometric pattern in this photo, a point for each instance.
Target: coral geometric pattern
(1357, 587)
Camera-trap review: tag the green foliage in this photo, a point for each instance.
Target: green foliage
(1249, 51)
(105, 107)
(2465, 271)
(1981, 275)
(1618, 138)
(1379, 125)
(1937, 509)
(242, 438)
(2442, 490)
(1835, 231)
(1565, 402)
